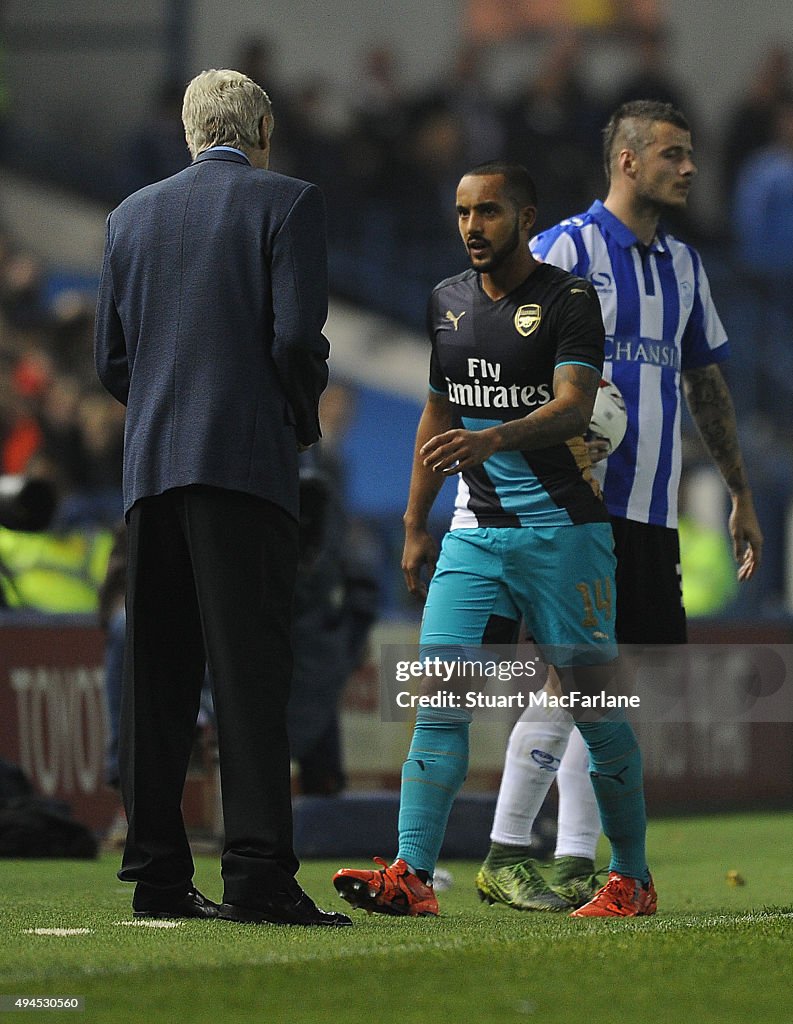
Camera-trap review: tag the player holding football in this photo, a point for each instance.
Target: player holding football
(517, 349)
(662, 332)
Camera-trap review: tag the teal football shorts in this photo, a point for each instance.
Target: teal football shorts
(559, 580)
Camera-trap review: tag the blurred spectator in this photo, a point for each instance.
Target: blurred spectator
(51, 421)
(420, 243)
(335, 605)
(52, 571)
(426, 175)
(46, 376)
(320, 123)
(750, 125)
(46, 423)
(70, 331)
(257, 57)
(377, 107)
(379, 96)
(62, 439)
(553, 126)
(101, 421)
(652, 78)
(763, 213)
(21, 280)
(708, 576)
(763, 225)
(708, 569)
(464, 92)
(360, 549)
(157, 149)
(22, 435)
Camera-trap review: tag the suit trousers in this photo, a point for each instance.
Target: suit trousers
(211, 576)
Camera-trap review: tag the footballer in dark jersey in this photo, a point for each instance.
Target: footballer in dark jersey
(517, 352)
(495, 361)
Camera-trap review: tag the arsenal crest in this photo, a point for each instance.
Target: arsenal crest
(527, 319)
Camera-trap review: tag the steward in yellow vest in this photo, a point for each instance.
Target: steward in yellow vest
(53, 572)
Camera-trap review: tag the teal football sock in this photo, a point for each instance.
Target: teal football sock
(432, 775)
(615, 767)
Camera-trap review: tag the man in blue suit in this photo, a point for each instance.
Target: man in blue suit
(210, 312)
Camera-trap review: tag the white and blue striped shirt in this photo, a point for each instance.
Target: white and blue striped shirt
(660, 320)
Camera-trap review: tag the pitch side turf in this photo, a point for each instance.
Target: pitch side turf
(717, 952)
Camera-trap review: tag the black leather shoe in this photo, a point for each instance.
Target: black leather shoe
(192, 904)
(292, 907)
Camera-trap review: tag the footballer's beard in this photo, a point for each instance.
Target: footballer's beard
(499, 256)
(657, 202)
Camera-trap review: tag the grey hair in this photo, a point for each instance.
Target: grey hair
(224, 108)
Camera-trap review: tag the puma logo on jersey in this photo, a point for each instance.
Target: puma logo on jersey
(579, 291)
(454, 319)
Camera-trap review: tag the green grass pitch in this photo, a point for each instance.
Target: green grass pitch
(715, 952)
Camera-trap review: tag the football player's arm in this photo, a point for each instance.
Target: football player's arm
(420, 548)
(567, 415)
(711, 408)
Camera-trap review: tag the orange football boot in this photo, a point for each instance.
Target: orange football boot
(621, 897)
(394, 889)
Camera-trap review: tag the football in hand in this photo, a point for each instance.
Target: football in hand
(609, 419)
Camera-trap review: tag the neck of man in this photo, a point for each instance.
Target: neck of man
(259, 158)
(510, 274)
(641, 217)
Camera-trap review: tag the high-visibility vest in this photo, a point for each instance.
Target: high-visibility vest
(53, 572)
(708, 569)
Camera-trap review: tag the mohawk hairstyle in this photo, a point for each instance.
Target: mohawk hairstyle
(630, 125)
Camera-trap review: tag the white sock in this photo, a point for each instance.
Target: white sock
(579, 820)
(535, 749)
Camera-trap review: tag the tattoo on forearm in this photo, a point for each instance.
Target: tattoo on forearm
(585, 378)
(562, 422)
(552, 424)
(712, 410)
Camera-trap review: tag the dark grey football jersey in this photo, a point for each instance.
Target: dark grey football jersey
(495, 361)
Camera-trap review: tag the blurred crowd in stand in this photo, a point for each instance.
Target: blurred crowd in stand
(55, 422)
(56, 425)
(388, 158)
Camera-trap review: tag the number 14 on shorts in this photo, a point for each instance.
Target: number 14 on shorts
(597, 597)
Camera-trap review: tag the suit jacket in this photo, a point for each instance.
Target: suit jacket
(211, 304)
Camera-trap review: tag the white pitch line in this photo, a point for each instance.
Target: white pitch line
(59, 931)
(446, 944)
(150, 924)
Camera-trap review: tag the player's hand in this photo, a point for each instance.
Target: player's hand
(598, 448)
(420, 550)
(747, 537)
(456, 450)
